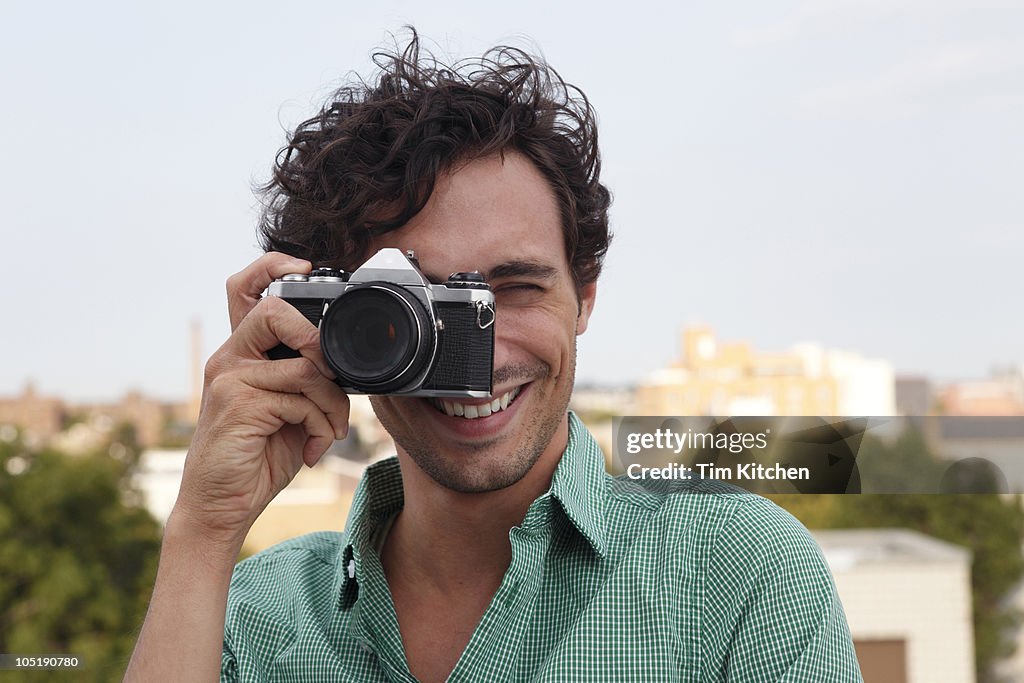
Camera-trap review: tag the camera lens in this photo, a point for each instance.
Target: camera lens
(376, 337)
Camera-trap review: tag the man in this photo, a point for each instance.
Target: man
(494, 548)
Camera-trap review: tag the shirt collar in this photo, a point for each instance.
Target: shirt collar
(378, 496)
(578, 484)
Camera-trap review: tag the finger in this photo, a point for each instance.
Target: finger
(245, 287)
(274, 321)
(299, 410)
(301, 376)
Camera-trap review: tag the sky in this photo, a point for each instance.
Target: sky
(846, 173)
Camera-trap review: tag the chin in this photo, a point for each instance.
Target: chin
(477, 454)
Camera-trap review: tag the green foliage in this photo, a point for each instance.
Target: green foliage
(76, 564)
(907, 465)
(991, 526)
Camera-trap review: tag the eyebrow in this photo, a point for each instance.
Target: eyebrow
(532, 269)
(508, 269)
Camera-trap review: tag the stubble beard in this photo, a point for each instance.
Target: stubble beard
(486, 468)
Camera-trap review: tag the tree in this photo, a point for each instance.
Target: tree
(76, 563)
(905, 466)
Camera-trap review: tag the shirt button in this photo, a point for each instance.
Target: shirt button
(351, 569)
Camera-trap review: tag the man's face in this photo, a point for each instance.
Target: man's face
(499, 217)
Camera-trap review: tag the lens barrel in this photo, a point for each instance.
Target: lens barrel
(377, 337)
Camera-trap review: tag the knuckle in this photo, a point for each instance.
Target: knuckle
(274, 306)
(339, 399)
(274, 303)
(263, 310)
(218, 386)
(213, 368)
(312, 335)
(278, 402)
(228, 385)
(233, 283)
(210, 371)
(306, 370)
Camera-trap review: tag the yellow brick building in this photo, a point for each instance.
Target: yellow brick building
(723, 379)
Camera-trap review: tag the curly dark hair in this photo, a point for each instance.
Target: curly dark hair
(368, 161)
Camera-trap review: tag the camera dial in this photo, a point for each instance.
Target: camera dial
(328, 275)
(473, 280)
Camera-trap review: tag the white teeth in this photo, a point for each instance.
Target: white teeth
(472, 411)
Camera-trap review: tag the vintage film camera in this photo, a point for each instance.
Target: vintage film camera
(384, 329)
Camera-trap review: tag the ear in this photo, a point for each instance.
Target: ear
(587, 295)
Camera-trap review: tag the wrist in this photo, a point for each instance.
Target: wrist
(213, 546)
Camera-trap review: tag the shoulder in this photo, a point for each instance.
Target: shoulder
(720, 517)
(266, 587)
(762, 545)
(762, 590)
(295, 560)
(272, 594)
(749, 541)
(725, 540)
(748, 527)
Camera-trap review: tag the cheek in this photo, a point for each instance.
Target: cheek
(388, 408)
(539, 333)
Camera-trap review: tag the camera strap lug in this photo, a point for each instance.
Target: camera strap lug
(484, 314)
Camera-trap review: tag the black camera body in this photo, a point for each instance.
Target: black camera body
(385, 329)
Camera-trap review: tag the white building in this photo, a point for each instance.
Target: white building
(907, 597)
(318, 498)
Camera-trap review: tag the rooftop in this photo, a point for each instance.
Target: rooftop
(848, 548)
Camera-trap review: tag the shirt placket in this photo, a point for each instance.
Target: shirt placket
(373, 621)
(493, 649)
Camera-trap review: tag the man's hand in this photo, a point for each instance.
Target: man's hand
(260, 420)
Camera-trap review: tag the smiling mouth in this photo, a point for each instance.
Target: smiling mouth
(473, 411)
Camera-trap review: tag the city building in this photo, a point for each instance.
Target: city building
(728, 379)
(80, 427)
(915, 396)
(602, 401)
(1002, 393)
(39, 418)
(907, 598)
(317, 499)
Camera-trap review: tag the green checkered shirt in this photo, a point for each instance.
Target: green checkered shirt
(609, 581)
